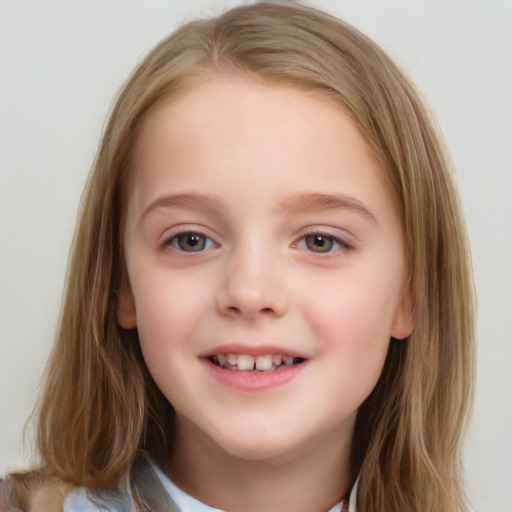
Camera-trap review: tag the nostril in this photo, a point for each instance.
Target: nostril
(250, 313)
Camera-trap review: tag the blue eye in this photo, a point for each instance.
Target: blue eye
(190, 241)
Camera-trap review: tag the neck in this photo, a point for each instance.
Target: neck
(312, 479)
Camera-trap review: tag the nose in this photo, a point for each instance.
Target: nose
(253, 286)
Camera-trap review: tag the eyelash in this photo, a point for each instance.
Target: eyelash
(336, 244)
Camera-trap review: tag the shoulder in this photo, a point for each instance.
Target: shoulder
(113, 500)
(49, 497)
(33, 491)
(77, 501)
(81, 500)
(8, 499)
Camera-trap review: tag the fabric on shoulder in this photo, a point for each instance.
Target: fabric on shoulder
(148, 485)
(148, 489)
(8, 501)
(33, 491)
(142, 486)
(82, 500)
(77, 501)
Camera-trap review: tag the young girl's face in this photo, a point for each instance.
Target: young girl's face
(266, 267)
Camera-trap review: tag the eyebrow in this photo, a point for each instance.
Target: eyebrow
(183, 200)
(307, 202)
(320, 202)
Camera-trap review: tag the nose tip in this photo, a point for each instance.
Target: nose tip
(248, 296)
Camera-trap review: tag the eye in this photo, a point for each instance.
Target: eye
(320, 243)
(323, 243)
(190, 241)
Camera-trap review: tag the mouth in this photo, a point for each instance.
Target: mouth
(250, 363)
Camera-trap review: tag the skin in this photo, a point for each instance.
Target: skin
(300, 251)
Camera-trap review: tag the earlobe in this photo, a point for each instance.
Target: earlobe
(126, 312)
(403, 320)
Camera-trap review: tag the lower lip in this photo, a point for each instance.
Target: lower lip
(255, 380)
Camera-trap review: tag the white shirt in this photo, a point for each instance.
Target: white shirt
(77, 501)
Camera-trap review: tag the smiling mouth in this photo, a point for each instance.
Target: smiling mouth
(248, 363)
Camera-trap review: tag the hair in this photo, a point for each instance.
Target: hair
(99, 406)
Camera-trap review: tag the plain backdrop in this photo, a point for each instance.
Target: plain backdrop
(61, 64)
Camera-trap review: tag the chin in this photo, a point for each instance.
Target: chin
(257, 444)
(259, 451)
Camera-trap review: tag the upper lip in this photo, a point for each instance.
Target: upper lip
(253, 350)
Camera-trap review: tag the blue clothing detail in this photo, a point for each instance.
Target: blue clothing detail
(175, 498)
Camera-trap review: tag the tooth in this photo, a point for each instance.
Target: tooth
(264, 362)
(245, 362)
(221, 358)
(277, 360)
(231, 359)
(287, 360)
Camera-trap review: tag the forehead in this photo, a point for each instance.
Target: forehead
(236, 106)
(231, 127)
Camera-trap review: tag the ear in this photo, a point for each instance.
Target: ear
(403, 320)
(126, 312)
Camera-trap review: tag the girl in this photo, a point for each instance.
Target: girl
(269, 303)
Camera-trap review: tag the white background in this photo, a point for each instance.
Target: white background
(61, 63)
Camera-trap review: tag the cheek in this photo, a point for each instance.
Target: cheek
(168, 311)
(353, 323)
(167, 318)
(355, 306)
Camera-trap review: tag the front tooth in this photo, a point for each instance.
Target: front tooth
(245, 362)
(231, 359)
(264, 363)
(277, 359)
(287, 360)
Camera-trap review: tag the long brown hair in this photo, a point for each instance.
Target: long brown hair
(99, 406)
